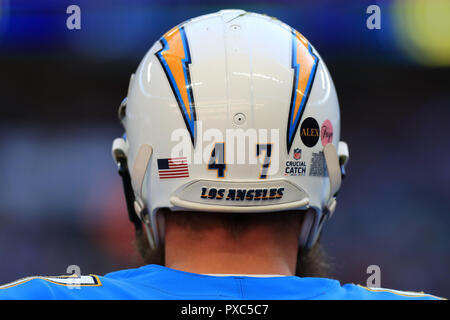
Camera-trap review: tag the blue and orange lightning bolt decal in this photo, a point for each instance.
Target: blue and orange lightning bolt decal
(304, 63)
(175, 59)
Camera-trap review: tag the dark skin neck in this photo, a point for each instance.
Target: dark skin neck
(265, 248)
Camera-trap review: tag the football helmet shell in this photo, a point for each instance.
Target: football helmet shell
(209, 80)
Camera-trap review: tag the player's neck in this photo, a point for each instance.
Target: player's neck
(258, 251)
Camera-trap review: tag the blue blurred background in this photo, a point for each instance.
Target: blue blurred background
(60, 196)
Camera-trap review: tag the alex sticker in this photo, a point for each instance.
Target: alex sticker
(309, 132)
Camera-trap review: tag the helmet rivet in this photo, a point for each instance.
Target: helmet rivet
(239, 118)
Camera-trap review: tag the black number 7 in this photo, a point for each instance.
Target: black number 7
(267, 148)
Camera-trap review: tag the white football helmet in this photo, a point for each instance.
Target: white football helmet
(231, 112)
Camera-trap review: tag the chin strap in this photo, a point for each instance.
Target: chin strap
(334, 174)
(138, 175)
(133, 185)
(119, 154)
(335, 161)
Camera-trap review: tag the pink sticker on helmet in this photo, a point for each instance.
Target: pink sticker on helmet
(326, 132)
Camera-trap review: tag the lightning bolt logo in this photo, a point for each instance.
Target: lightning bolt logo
(175, 59)
(304, 64)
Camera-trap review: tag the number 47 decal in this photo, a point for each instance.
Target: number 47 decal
(217, 159)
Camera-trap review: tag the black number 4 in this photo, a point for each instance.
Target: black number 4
(217, 160)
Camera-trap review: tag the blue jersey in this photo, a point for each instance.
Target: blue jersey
(153, 282)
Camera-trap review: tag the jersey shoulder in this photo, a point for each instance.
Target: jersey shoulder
(161, 283)
(330, 289)
(358, 292)
(128, 284)
(47, 287)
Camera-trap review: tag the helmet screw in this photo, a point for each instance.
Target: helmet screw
(239, 118)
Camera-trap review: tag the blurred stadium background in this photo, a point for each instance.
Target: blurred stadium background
(60, 196)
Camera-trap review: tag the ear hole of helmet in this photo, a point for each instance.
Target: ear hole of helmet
(122, 109)
(343, 154)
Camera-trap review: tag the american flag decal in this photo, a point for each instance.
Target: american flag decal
(173, 168)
